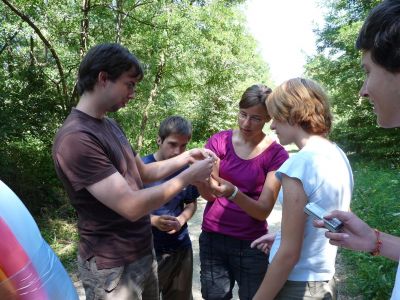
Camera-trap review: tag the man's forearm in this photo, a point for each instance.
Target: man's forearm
(115, 193)
(161, 169)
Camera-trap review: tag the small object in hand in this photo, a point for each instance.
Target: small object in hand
(212, 158)
(318, 213)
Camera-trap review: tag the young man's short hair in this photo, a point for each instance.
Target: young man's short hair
(380, 34)
(174, 125)
(110, 58)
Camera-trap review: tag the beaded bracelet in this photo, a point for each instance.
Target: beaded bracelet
(377, 250)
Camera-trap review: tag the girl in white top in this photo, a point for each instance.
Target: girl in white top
(302, 262)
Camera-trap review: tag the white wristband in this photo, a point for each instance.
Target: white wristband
(235, 191)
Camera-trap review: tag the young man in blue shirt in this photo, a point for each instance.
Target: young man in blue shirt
(169, 223)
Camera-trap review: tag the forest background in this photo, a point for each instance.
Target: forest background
(198, 58)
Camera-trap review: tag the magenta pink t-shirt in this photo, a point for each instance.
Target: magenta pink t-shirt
(225, 217)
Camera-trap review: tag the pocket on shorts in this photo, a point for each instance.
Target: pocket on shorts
(113, 278)
(108, 278)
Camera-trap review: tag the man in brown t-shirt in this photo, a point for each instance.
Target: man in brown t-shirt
(104, 179)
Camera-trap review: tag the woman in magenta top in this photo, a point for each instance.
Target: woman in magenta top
(240, 199)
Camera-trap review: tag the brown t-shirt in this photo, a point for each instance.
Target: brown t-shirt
(85, 151)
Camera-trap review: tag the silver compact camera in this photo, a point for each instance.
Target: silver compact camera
(318, 213)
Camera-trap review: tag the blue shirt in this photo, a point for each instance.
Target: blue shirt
(164, 242)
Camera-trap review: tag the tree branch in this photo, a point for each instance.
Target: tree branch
(26, 19)
(150, 100)
(8, 42)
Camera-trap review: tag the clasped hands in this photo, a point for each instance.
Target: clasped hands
(201, 162)
(198, 154)
(218, 186)
(166, 223)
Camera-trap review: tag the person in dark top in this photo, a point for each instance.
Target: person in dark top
(379, 42)
(104, 177)
(169, 222)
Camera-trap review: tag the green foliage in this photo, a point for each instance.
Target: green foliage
(58, 228)
(197, 56)
(28, 117)
(375, 201)
(198, 65)
(337, 67)
(27, 168)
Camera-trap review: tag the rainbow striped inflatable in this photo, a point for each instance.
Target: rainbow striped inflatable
(29, 269)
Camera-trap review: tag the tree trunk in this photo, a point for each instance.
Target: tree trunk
(84, 27)
(83, 45)
(119, 19)
(152, 96)
(31, 53)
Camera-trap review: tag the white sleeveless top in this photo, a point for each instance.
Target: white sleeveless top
(396, 288)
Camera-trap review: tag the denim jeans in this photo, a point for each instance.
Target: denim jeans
(225, 260)
(134, 281)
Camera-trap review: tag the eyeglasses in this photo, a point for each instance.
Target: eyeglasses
(253, 119)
